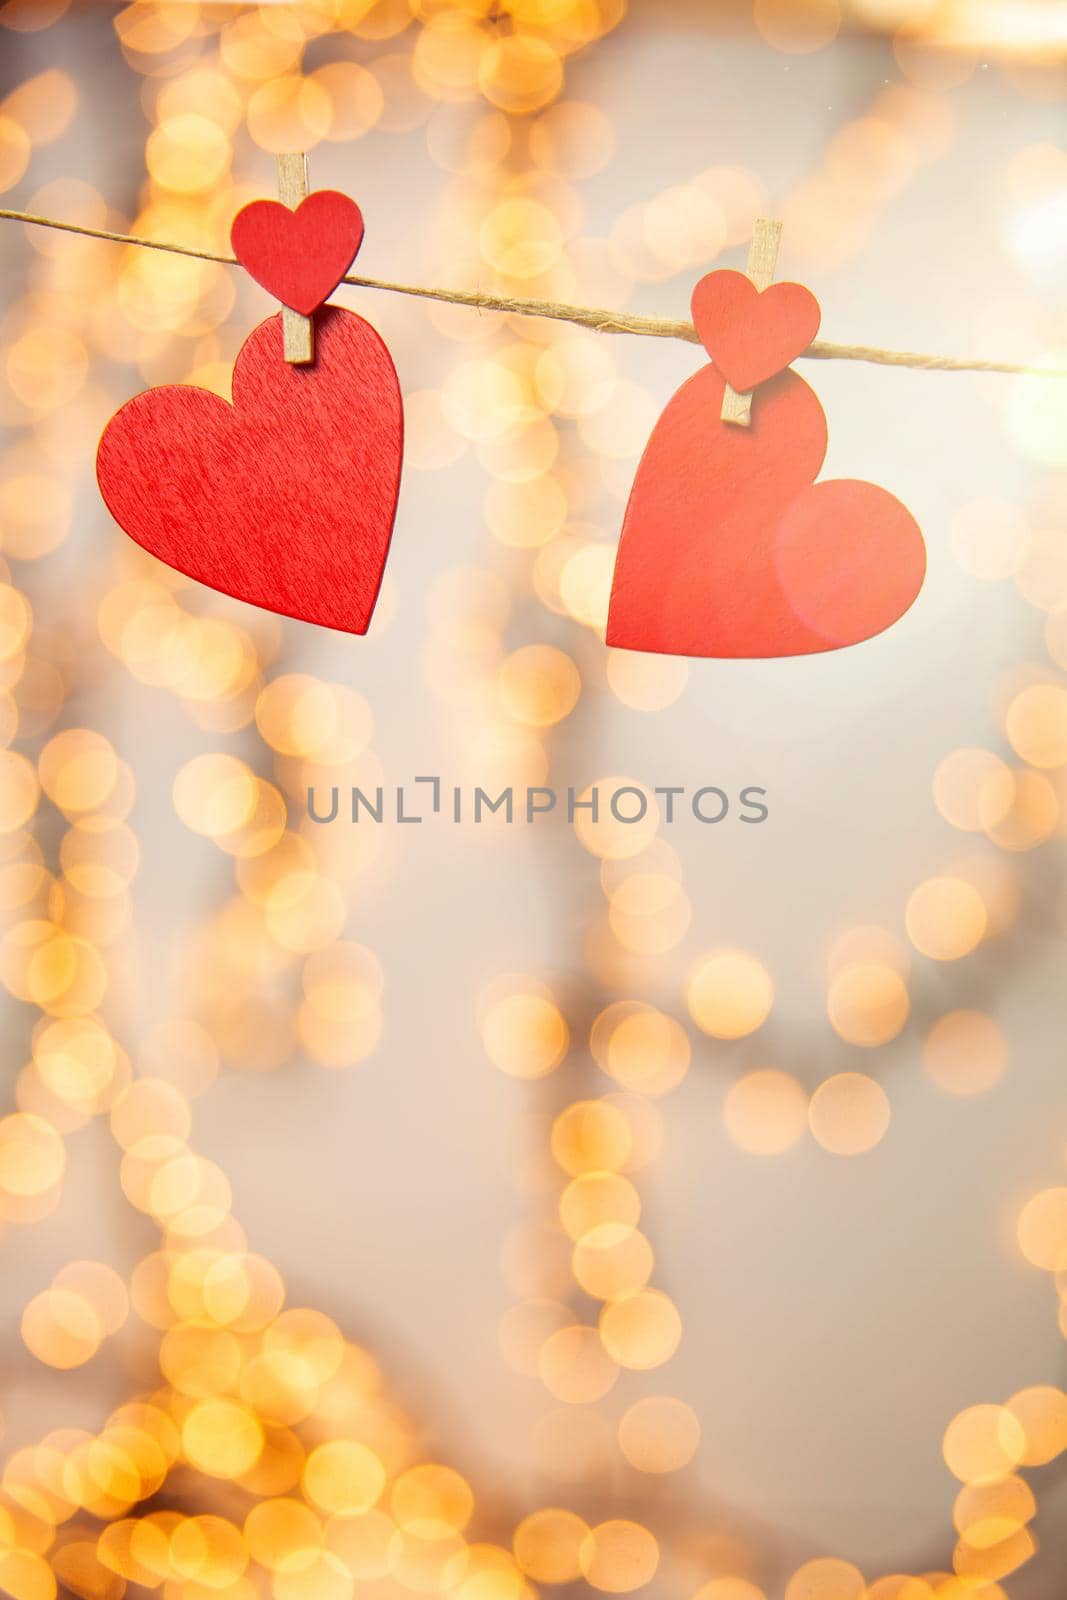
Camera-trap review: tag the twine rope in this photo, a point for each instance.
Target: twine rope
(599, 319)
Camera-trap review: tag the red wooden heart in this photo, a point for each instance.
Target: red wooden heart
(299, 256)
(751, 334)
(728, 548)
(286, 498)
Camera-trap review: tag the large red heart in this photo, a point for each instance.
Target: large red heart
(752, 334)
(729, 548)
(299, 256)
(286, 498)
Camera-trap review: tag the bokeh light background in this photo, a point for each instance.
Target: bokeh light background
(494, 1211)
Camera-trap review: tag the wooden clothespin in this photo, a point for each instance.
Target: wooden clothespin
(298, 333)
(762, 261)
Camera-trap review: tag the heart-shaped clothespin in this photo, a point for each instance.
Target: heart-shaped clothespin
(298, 248)
(753, 334)
(752, 327)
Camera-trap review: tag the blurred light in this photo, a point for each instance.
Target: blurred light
(617, 1557)
(641, 1330)
(575, 1366)
(547, 1545)
(729, 994)
(849, 1114)
(1042, 1230)
(524, 1034)
(765, 1112)
(983, 1444)
(826, 1578)
(965, 1052)
(867, 1003)
(659, 1434)
(946, 918)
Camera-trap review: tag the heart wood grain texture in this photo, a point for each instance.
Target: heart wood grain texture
(284, 499)
(752, 334)
(730, 549)
(299, 256)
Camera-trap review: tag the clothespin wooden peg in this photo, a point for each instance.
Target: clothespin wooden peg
(762, 261)
(298, 333)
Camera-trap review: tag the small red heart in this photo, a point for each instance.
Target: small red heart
(285, 498)
(299, 256)
(752, 334)
(730, 549)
